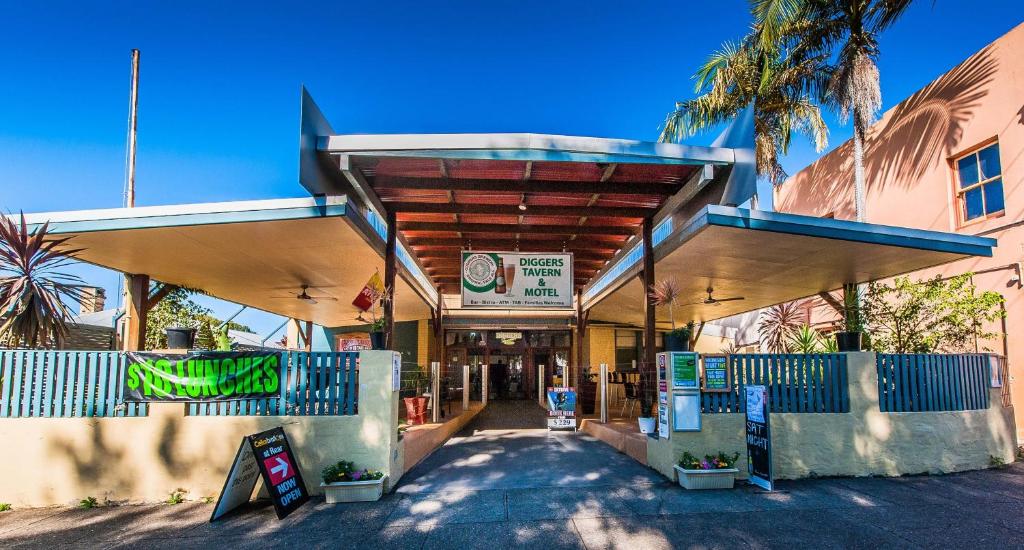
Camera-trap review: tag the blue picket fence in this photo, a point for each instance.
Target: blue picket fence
(932, 382)
(318, 384)
(63, 384)
(797, 383)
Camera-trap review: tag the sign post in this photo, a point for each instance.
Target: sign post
(465, 387)
(561, 408)
(603, 384)
(759, 437)
(267, 455)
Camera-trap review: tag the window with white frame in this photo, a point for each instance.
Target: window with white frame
(979, 177)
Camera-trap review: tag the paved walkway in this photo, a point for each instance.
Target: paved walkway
(539, 490)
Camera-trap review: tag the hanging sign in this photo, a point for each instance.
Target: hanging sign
(267, 455)
(561, 407)
(202, 376)
(715, 374)
(684, 370)
(517, 279)
(759, 437)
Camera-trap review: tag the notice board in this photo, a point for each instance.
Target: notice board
(684, 370)
(759, 437)
(715, 374)
(266, 455)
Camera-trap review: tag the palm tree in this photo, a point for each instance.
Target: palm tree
(780, 85)
(849, 29)
(32, 289)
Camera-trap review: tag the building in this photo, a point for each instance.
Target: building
(949, 158)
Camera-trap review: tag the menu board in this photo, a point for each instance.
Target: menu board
(684, 370)
(759, 437)
(715, 374)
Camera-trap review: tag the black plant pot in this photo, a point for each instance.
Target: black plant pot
(180, 338)
(377, 340)
(675, 342)
(848, 341)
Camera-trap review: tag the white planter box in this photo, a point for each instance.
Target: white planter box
(706, 479)
(353, 491)
(647, 425)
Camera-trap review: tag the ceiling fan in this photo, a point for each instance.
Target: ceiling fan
(305, 297)
(712, 301)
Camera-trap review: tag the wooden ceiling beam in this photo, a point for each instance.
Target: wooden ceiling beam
(513, 209)
(526, 186)
(513, 228)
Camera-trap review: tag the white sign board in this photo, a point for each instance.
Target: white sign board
(517, 279)
(240, 482)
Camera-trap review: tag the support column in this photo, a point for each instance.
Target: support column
(436, 324)
(390, 265)
(648, 277)
(582, 318)
(309, 335)
(136, 307)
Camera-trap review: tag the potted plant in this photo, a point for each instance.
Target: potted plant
(666, 293)
(377, 334)
(342, 482)
(376, 322)
(850, 339)
(712, 472)
(416, 406)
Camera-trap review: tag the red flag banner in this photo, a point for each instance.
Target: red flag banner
(370, 294)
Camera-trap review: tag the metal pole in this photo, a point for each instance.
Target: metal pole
(484, 382)
(465, 387)
(603, 384)
(435, 391)
(133, 108)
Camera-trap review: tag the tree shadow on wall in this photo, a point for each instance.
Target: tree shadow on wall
(917, 134)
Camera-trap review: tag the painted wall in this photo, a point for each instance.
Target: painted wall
(862, 442)
(910, 177)
(63, 460)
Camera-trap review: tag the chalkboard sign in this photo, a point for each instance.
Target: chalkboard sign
(267, 455)
(715, 375)
(684, 370)
(759, 437)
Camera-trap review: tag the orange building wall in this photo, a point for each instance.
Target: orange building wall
(910, 180)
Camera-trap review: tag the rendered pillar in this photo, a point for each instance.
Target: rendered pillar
(603, 393)
(435, 391)
(465, 387)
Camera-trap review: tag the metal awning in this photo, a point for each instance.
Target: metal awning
(255, 253)
(770, 258)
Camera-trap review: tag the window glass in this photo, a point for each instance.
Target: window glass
(973, 207)
(967, 168)
(989, 162)
(993, 196)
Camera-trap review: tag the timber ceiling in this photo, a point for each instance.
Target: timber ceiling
(589, 209)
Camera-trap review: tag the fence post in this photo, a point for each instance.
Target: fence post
(603, 392)
(465, 387)
(435, 391)
(540, 385)
(485, 381)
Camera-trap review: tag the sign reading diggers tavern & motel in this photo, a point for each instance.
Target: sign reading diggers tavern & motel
(202, 376)
(517, 279)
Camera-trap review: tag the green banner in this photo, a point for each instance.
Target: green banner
(202, 376)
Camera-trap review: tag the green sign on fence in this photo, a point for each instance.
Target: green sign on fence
(202, 376)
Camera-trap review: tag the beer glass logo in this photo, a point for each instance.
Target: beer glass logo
(478, 272)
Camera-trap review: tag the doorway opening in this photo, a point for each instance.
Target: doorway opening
(515, 360)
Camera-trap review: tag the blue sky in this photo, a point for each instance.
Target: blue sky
(218, 114)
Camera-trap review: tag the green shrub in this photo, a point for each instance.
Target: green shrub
(88, 503)
(5, 507)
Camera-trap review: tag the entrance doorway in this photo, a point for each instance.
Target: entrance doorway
(514, 358)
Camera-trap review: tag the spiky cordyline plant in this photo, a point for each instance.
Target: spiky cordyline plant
(32, 287)
(666, 293)
(777, 323)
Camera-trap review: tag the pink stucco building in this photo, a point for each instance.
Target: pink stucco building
(948, 158)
